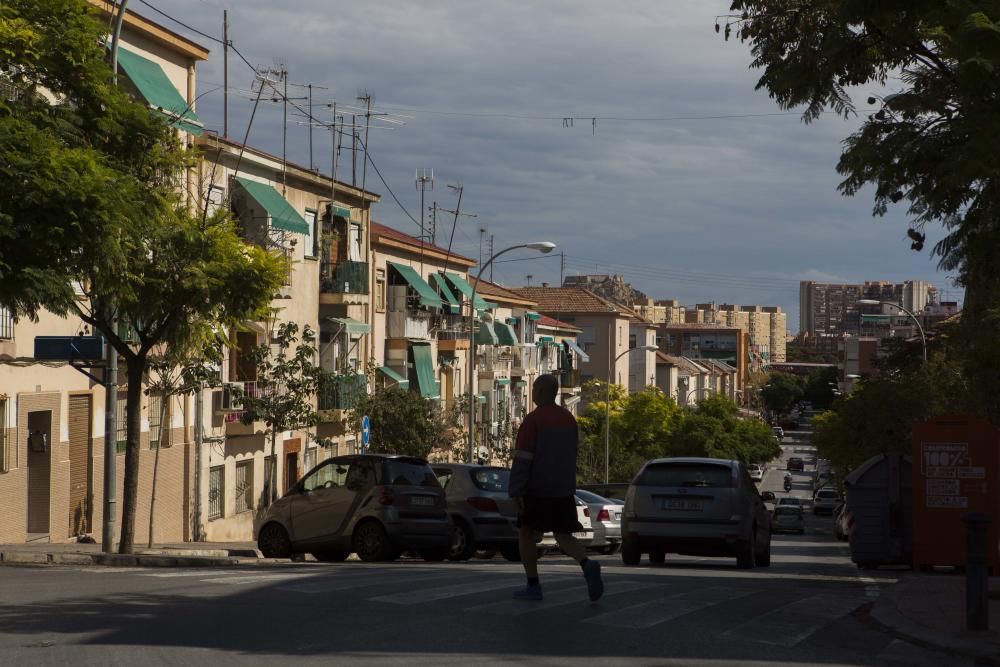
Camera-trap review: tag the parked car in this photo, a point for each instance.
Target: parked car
(613, 491)
(769, 500)
(375, 505)
(791, 501)
(698, 507)
(843, 522)
(779, 432)
(585, 534)
(605, 519)
(483, 515)
(825, 501)
(795, 463)
(756, 471)
(823, 478)
(788, 518)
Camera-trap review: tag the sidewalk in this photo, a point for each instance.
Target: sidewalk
(929, 609)
(185, 554)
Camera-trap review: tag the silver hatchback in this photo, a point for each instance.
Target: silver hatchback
(375, 505)
(698, 507)
(484, 516)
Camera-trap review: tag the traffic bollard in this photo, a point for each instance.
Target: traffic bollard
(977, 585)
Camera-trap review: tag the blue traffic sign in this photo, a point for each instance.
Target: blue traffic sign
(366, 431)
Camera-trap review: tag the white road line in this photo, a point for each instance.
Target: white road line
(256, 578)
(575, 595)
(190, 573)
(329, 585)
(791, 623)
(445, 592)
(654, 612)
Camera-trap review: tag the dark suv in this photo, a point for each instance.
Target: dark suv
(795, 463)
(375, 505)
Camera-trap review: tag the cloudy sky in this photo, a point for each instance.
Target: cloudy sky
(689, 183)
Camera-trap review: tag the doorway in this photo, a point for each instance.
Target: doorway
(80, 473)
(39, 471)
(292, 449)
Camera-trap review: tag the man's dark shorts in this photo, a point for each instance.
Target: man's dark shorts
(550, 515)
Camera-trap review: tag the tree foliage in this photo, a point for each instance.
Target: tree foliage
(930, 144)
(404, 422)
(89, 200)
(781, 393)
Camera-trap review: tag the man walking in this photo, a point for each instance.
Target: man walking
(543, 482)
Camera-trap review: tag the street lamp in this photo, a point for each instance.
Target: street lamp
(540, 246)
(607, 406)
(876, 302)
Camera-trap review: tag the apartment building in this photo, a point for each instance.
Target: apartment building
(709, 341)
(765, 325)
(827, 309)
(52, 431)
(564, 342)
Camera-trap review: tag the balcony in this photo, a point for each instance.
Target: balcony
(569, 378)
(340, 392)
(525, 360)
(343, 282)
(453, 334)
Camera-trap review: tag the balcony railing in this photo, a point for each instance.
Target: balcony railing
(341, 392)
(344, 277)
(570, 378)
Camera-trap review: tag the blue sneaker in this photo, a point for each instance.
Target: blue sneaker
(592, 573)
(528, 593)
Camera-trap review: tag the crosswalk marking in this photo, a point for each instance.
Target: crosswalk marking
(647, 614)
(256, 578)
(574, 595)
(790, 624)
(329, 585)
(445, 592)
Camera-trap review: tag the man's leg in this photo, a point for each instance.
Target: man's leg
(529, 552)
(573, 548)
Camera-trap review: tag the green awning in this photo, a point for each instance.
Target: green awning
(512, 320)
(283, 216)
(428, 297)
(185, 126)
(503, 381)
(454, 305)
(350, 325)
(486, 335)
(520, 382)
(505, 334)
(532, 315)
(482, 398)
(579, 350)
(424, 366)
(541, 340)
(152, 82)
(340, 211)
(463, 286)
(394, 376)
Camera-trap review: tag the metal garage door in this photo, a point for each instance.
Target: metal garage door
(79, 464)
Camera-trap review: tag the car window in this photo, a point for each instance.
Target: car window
(705, 475)
(828, 494)
(332, 473)
(444, 476)
(490, 479)
(361, 475)
(788, 509)
(409, 472)
(589, 497)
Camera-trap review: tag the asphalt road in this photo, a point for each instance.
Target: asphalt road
(806, 609)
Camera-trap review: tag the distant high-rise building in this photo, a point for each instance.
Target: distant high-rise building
(829, 309)
(765, 326)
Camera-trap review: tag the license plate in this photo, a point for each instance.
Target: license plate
(422, 500)
(687, 505)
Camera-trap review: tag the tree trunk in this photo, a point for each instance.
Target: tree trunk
(156, 464)
(980, 323)
(130, 487)
(273, 491)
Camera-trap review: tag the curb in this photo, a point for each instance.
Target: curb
(14, 558)
(884, 613)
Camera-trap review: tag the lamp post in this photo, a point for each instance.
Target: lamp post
(876, 302)
(607, 406)
(540, 246)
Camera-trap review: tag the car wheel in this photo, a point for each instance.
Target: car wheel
(511, 553)
(764, 556)
(657, 556)
(630, 552)
(371, 543)
(746, 554)
(336, 556)
(273, 542)
(462, 545)
(610, 549)
(435, 555)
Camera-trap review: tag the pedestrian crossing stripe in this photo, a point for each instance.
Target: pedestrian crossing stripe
(654, 612)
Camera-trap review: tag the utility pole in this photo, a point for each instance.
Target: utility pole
(225, 73)
(434, 223)
(482, 235)
(422, 178)
(310, 119)
(491, 254)
(284, 135)
(529, 277)
(354, 151)
(199, 439)
(562, 267)
(368, 116)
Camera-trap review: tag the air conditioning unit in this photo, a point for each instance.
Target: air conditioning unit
(232, 397)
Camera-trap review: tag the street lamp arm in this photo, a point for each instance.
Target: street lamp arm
(920, 329)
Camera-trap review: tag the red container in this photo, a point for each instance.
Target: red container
(956, 469)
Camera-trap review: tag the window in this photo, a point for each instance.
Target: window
(331, 474)
(287, 252)
(631, 341)
(310, 458)
(380, 290)
(244, 486)
(121, 435)
(268, 472)
(6, 324)
(156, 435)
(444, 476)
(310, 240)
(491, 479)
(354, 243)
(216, 492)
(4, 453)
(215, 198)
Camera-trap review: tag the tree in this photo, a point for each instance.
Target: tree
(781, 393)
(714, 429)
(591, 448)
(931, 142)
(284, 391)
(89, 201)
(404, 422)
(819, 387)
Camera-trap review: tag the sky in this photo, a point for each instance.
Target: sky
(689, 183)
